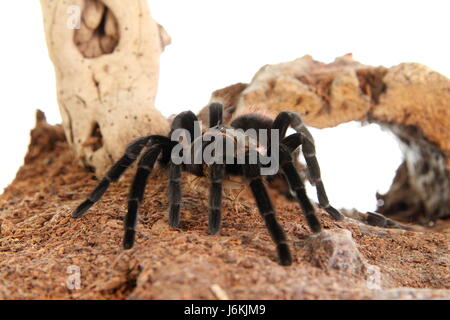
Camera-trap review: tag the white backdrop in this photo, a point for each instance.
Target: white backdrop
(219, 42)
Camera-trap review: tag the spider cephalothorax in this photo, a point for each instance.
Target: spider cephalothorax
(204, 154)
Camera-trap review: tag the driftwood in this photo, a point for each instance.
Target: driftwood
(409, 99)
(106, 58)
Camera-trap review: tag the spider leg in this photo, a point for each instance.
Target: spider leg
(259, 191)
(185, 120)
(314, 172)
(293, 141)
(131, 153)
(217, 172)
(215, 114)
(282, 122)
(296, 184)
(137, 189)
(174, 194)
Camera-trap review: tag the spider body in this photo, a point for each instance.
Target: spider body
(222, 151)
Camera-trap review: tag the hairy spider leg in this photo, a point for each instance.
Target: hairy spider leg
(297, 185)
(185, 120)
(267, 211)
(216, 173)
(290, 118)
(137, 189)
(117, 169)
(174, 194)
(292, 141)
(215, 110)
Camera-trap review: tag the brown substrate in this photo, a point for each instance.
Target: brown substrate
(39, 241)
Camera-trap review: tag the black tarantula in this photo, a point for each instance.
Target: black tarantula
(160, 148)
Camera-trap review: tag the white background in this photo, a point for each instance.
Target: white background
(220, 42)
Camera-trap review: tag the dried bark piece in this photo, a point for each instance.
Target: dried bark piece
(43, 137)
(107, 73)
(409, 99)
(378, 220)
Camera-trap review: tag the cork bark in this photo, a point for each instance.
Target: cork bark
(106, 57)
(409, 99)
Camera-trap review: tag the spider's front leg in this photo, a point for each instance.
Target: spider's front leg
(137, 189)
(216, 172)
(188, 122)
(290, 118)
(131, 154)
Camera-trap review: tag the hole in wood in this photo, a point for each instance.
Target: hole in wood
(99, 31)
(356, 163)
(95, 141)
(364, 167)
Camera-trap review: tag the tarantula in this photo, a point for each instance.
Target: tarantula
(161, 149)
